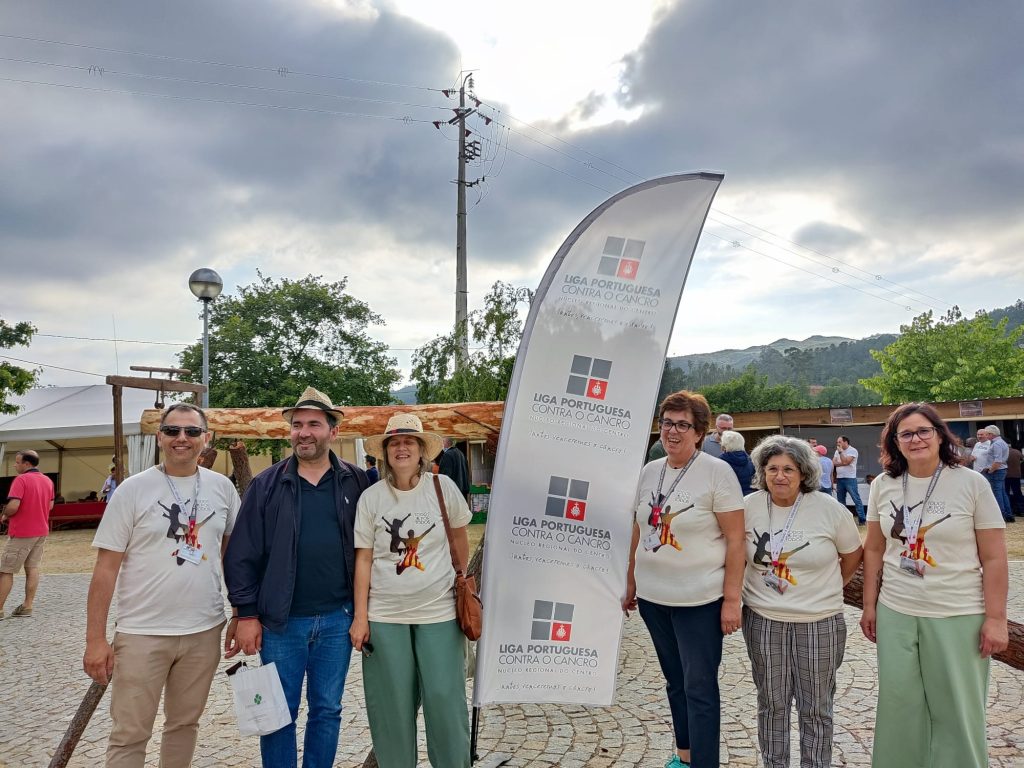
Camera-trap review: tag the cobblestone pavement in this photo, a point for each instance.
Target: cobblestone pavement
(40, 660)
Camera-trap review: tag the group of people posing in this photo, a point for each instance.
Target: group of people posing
(317, 562)
(707, 560)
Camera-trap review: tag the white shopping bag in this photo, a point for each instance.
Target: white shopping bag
(259, 699)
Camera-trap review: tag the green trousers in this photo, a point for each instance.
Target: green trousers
(932, 688)
(413, 664)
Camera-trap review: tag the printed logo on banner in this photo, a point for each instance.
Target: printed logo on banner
(589, 377)
(552, 621)
(621, 258)
(567, 497)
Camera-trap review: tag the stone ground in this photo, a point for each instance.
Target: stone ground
(40, 662)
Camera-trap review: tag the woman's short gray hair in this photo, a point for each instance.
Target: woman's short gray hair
(806, 460)
(732, 441)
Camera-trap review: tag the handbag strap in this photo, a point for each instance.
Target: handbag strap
(444, 517)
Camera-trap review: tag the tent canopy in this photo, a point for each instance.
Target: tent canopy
(84, 414)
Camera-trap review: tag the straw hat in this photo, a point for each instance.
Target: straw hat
(405, 424)
(313, 398)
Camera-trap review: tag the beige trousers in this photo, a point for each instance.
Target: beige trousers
(182, 666)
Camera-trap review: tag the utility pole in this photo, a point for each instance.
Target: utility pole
(468, 150)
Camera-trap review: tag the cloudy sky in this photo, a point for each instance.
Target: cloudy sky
(873, 155)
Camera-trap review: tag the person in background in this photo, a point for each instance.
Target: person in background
(995, 471)
(27, 514)
(735, 456)
(371, 468)
(845, 459)
(713, 442)
(827, 469)
(935, 586)
(685, 572)
(1013, 473)
(109, 486)
(452, 462)
(802, 548)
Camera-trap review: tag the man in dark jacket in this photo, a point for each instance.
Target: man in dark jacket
(452, 462)
(289, 569)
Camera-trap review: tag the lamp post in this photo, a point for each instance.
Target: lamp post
(206, 286)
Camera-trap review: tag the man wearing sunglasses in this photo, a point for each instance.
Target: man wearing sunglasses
(161, 540)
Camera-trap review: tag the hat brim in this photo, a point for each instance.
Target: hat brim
(287, 412)
(432, 444)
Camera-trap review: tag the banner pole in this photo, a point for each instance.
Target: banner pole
(474, 728)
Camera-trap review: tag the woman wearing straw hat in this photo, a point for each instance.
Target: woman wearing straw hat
(413, 649)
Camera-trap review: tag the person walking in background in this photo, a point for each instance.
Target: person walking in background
(685, 572)
(845, 460)
(452, 462)
(290, 572)
(935, 586)
(995, 470)
(802, 548)
(161, 540)
(735, 456)
(827, 469)
(27, 514)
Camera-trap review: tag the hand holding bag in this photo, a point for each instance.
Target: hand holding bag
(468, 608)
(259, 699)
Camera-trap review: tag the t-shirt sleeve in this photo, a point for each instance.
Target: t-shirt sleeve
(873, 495)
(17, 488)
(728, 495)
(115, 529)
(986, 509)
(847, 537)
(458, 511)
(636, 494)
(364, 528)
(234, 502)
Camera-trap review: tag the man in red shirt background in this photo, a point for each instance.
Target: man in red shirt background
(27, 515)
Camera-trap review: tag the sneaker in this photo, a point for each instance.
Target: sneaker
(22, 612)
(676, 762)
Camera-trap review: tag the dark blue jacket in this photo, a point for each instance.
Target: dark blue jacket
(260, 562)
(741, 465)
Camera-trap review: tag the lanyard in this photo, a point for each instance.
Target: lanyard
(177, 496)
(776, 545)
(661, 479)
(911, 522)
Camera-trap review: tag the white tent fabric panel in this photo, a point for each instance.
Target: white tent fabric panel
(56, 413)
(141, 453)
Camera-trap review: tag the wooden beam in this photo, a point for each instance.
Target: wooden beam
(461, 421)
(158, 385)
(152, 369)
(118, 433)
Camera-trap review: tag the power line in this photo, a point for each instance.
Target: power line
(331, 112)
(280, 71)
(47, 365)
(120, 341)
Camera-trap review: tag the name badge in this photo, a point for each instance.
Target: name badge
(772, 581)
(912, 566)
(190, 554)
(652, 541)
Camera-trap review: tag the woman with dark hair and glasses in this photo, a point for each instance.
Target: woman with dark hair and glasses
(686, 571)
(935, 584)
(802, 548)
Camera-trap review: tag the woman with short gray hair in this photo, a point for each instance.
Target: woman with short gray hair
(802, 548)
(735, 456)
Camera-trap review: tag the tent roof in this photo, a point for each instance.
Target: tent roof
(62, 413)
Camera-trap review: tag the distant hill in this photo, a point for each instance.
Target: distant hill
(406, 395)
(741, 358)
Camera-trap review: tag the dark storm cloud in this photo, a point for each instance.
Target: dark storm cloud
(831, 238)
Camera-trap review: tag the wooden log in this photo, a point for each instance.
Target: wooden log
(208, 457)
(77, 726)
(461, 421)
(240, 463)
(853, 594)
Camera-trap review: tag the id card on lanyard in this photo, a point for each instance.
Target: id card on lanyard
(912, 562)
(772, 578)
(654, 538)
(189, 550)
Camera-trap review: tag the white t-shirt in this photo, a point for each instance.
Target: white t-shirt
(982, 454)
(961, 503)
(159, 593)
(683, 562)
(809, 562)
(850, 470)
(411, 579)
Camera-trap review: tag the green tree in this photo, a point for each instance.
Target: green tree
(275, 338)
(496, 330)
(953, 358)
(14, 380)
(752, 392)
(842, 395)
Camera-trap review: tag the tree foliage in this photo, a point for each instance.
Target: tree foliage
(496, 330)
(952, 358)
(13, 379)
(752, 392)
(275, 338)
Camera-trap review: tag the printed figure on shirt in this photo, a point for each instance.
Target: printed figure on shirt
(412, 544)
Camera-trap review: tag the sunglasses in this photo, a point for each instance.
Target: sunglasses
(175, 431)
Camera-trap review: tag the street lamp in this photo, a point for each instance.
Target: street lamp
(206, 286)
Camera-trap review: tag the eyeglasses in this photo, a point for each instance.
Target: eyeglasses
(924, 433)
(175, 431)
(787, 471)
(680, 426)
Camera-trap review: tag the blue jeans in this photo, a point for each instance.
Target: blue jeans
(688, 641)
(846, 485)
(997, 480)
(319, 649)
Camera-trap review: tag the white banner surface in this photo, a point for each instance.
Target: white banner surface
(573, 439)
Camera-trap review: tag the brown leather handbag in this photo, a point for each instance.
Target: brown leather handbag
(469, 611)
